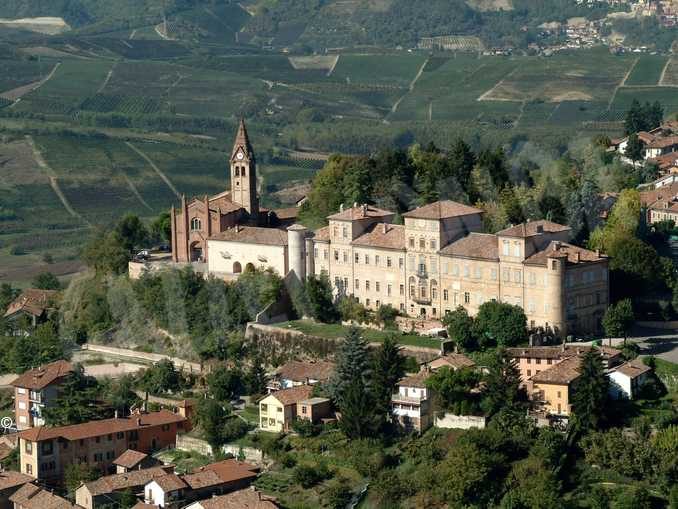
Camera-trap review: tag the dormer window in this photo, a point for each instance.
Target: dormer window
(196, 224)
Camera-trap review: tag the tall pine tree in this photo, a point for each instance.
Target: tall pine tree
(388, 369)
(590, 397)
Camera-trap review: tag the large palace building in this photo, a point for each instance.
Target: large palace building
(438, 260)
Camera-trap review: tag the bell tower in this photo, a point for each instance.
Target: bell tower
(244, 173)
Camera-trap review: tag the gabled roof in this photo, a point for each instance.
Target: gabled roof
(418, 380)
(170, 482)
(242, 499)
(102, 427)
(382, 235)
(33, 301)
(533, 228)
(293, 395)
(11, 479)
(229, 470)
(43, 376)
(202, 479)
(117, 482)
(441, 210)
(30, 496)
(560, 352)
(299, 371)
(633, 368)
(253, 235)
(130, 458)
(360, 212)
(562, 373)
(453, 360)
(571, 253)
(481, 246)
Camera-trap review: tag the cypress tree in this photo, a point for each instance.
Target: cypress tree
(590, 395)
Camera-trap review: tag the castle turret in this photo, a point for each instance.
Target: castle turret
(296, 250)
(555, 294)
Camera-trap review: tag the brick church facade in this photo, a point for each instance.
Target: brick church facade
(200, 218)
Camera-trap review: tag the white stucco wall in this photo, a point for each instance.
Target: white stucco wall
(620, 385)
(154, 494)
(224, 254)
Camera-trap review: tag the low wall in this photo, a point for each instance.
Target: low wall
(279, 345)
(184, 365)
(252, 455)
(459, 421)
(670, 325)
(193, 444)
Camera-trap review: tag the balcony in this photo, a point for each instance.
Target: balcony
(421, 300)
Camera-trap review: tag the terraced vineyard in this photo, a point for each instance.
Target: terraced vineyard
(647, 71)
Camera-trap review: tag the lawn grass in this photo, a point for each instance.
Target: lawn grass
(336, 331)
(250, 414)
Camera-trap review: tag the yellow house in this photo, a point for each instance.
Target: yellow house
(552, 388)
(278, 410)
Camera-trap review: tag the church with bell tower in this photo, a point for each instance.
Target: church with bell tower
(201, 217)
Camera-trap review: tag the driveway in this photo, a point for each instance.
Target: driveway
(660, 343)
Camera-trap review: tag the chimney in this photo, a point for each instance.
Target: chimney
(556, 245)
(341, 207)
(364, 209)
(597, 253)
(138, 421)
(355, 204)
(237, 228)
(116, 413)
(385, 228)
(540, 228)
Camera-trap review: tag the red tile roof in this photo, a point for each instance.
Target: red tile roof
(299, 371)
(253, 235)
(117, 482)
(293, 395)
(33, 301)
(481, 246)
(102, 427)
(417, 380)
(360, 212)
(228, 470)
(170, 482)
(633, 368)
(453, 360)
(11, 479)
(571, 253)
(30, 496)
(383, 235)
(532, 228)
(322, 234)
(39, 378)
(130, 458)
(441, 210)
(242, 499)
(562, 373)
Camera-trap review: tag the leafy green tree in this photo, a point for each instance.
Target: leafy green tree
(387, 369)
(462, 160)
(500, 323)
(319, 297)
(590, 398)
(127, 499)
(634, 148)
(552, 209)
(386, 315)
(471, 474)
(132, 232)
(636, 497)
(339, 494)
(161, 228)
(618, 319)
(224, 384)
(256, 379)
(106, 253)
(46, 281)
(120, 394)
(453, 389)
(212, 417)
(76, 474)
(460, 329)
(161, 378)
(532, 485)
(502, 384)
(7, 295)
(76, 402)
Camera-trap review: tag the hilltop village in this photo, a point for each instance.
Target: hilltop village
(322, 348)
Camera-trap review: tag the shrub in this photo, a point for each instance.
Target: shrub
(305, 428)
(308, 476)
(17, 251)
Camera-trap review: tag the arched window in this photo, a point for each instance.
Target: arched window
(196, 224)
(243, 172)
(237, 171)
(434, 289)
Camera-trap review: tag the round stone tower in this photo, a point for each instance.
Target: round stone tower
(296, 250)
(555, 292)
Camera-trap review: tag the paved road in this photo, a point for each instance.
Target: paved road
(660, 343)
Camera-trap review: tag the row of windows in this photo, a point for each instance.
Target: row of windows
(586, 277)
(240, 171)
(432, 243)
(507, 251)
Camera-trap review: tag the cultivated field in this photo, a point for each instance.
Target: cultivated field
(671, 73)
(647, 71)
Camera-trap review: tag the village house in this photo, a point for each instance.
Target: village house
(278, 410)
(30, 308)
(30, 496)
(628, 379)
(134, 460)
(412, 406)
(551, 389)
(46, 451)
(657, 142)
(242, 499)
(10, 482)
(220, 477)
(661, 203)
(454, 361)
(36, 390)
(314, 409)
(533, 360)
(165, 491)
(108, 489)
(295, 373)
